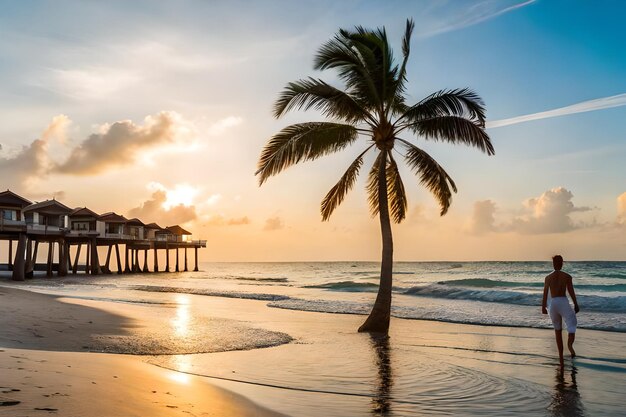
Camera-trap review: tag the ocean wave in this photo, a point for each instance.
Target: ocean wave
(211, 293)
(593, 321)
(260, 279)
(348, 286)
(586, 302)
(490, 283)
(615, 275)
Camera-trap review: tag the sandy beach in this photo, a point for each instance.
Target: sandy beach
(185, 354)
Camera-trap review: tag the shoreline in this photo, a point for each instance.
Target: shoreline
(327, 367)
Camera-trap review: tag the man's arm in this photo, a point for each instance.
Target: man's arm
(570, 290)
(544, 302)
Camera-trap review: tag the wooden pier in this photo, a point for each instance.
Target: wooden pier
(63, 234)
(63, 255)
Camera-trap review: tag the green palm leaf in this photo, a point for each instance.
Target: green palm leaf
(336, 194)
(395, 191)
(461, 102)
(372, 184)
(397, 106)
(353, 66)
(303, 142)
(314, 93)
(455, 130)
(431, 175)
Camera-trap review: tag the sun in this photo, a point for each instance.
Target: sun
(181, 194)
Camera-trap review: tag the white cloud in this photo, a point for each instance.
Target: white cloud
(551, 212)
(482, 220)
(224, 124)
(89, 83)
(27, 165)
(582, 107)
(548, 213)
(124, 142)
(165, 207)
(213, 199)
(440, 18)
(57, 129)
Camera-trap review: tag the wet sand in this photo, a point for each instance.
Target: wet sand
(44, 371)
(91, 384)
(323, 367)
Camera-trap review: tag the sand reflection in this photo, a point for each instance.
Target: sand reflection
(182, 364)
(566, 400)
(381, 404)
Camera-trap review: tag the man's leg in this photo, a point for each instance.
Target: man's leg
(570, 343)
(559, 344)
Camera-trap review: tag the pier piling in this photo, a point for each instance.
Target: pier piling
(18, 266)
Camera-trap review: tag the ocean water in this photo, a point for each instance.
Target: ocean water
(327, 368)
(487, 293)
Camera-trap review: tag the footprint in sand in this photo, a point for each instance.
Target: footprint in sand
(7, 402)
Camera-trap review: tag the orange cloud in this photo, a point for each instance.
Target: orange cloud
(122, 143)
(621, 209)
(274, 223)
(152, 210)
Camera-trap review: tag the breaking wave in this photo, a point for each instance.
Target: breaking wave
(586, 302)
(349, 286)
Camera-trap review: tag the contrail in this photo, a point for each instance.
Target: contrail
(585, 106)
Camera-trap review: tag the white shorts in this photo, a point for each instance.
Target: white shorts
(560, 309)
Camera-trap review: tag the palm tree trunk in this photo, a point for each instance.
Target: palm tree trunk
(378, 320)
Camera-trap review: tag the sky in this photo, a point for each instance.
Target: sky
(159, 110)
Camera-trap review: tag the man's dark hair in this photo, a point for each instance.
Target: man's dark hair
(557, 261)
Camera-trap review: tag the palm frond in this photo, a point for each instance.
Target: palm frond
(316, 94)
(395, 191)
(372, 184)
(461, 102)
(431, 175)
(302, 141)
(374, 46)
(406, 50)
(336, 194)
(454, 129)
(352, 65)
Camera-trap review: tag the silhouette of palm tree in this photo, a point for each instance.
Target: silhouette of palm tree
(373, 105)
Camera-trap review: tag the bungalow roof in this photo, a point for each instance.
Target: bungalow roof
(135, 222)
(112, 217)
(177, 230)
(9, 198)
(49, 207)
(83, 212)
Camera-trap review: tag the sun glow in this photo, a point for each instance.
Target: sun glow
(181, 194)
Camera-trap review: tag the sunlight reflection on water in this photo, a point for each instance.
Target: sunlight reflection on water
(180, 322)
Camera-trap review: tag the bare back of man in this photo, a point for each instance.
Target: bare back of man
(558, 283)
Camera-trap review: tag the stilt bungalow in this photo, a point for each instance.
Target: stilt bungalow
(150, 230)
(11, 211)
(113, 225)
(83, 221)
(61, 228)
(136, 228)
(50, 216)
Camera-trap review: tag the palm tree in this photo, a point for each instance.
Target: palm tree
(373, 106)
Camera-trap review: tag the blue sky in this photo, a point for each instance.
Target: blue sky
(218, 66)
